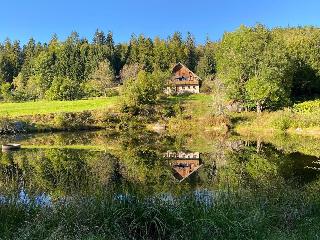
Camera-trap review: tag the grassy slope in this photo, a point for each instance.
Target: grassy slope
(197, 118)
(198, 105)
(44, 107)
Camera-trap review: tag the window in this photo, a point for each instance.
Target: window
(189, 87)
(194, 87)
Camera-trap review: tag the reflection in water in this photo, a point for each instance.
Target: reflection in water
(183, 163)
(63, 166)
(40, 200)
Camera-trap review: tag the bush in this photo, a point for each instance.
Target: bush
(64, 89)
(146, 89)
(73, 121)
(207, 86)
(8, 126)
(282, 120)
(307, 107)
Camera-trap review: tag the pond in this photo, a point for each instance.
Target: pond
(51, 167)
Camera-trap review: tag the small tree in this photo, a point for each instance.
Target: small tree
(130, 71)
(5, 91)
(101, 80)
(144, 90)
(63, 89)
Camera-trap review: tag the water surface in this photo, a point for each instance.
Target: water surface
(52, 167)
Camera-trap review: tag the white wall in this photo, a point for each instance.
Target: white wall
(188, 89)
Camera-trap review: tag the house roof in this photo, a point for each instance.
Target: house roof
(174, 69)
(184, 80)
(184, 168)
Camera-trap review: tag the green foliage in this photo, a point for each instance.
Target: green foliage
(254, 67)
(73, 121)
(5, 91)
(144, 90)
(312, 107)
(64, 89)
(282, 121)
(206, 66)
(101, 80)
(258, 67)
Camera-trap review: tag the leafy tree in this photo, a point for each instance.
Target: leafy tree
(64, 89)
(144, 90)
(130, 72)
(254, 68)
(101, 80)
(271, 85)
(301, 45)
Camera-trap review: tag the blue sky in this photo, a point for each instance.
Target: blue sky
(41, 18)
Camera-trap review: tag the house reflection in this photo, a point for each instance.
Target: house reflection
(183, 163)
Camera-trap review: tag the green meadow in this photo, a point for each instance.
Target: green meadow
(17, 109)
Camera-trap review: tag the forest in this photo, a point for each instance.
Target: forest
(258, 67)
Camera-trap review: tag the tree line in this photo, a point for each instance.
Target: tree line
(77, 68)
(265, 68)
(254, 66)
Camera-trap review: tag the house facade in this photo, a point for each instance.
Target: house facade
(183, 80)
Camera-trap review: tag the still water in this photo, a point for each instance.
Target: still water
(52, 167)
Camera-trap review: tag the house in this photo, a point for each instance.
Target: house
(183, 163)
(183, 80)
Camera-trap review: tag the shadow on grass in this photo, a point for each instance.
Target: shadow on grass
(238, 119)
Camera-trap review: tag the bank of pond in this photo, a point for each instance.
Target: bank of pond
(146, 185)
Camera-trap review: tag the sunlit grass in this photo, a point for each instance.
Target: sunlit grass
(45, 107)
(198, 105)
(75, 147)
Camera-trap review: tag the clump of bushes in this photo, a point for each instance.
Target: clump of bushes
(307, 107)
(73, 121)
(9, 126)
(139, 93)
(281, 120)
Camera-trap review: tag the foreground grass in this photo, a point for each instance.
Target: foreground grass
(45, 107)
(280, 215)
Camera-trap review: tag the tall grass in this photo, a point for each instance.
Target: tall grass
(265, 215)
(280, 121)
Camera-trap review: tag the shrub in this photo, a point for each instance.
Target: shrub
(282, 120)
(144, 90)
(307, 107)
(8, 126)
(73, 121)
(64, 89)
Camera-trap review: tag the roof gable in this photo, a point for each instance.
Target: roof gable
(179, 66)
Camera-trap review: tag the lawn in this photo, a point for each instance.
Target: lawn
(44, 107)
(197, 105)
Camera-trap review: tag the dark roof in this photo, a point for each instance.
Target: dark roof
(179, 64)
